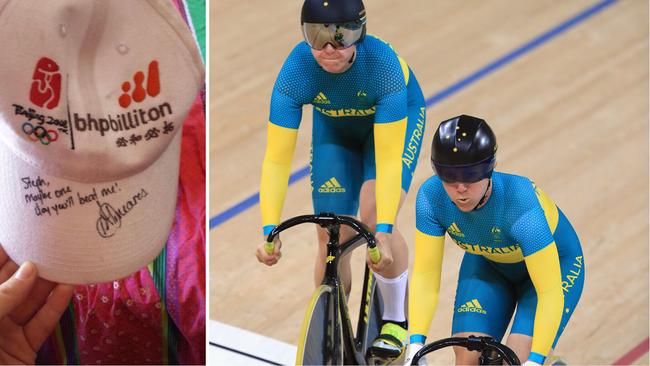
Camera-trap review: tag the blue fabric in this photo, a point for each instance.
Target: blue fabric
(374, 85)
(489, 291)
(343, 148)
(417, 338)
(536, 357)
(342, 159)
(266, 229)
(573, 276)
(485, 299)
(512, 220)
(384, 228)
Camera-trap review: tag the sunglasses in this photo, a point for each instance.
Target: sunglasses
(340, 36)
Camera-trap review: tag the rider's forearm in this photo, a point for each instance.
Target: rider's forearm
(280, 145)
(425, 283)
(389, 147)
(544, 269)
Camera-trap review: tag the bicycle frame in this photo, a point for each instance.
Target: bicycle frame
(354, 347)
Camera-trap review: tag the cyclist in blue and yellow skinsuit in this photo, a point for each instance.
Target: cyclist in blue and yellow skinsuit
(521, 251)
(368, 122)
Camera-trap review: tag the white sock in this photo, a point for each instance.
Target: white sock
(393, 292)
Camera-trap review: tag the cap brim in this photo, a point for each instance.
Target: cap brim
(82, 233)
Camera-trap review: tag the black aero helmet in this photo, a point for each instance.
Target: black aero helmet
(332, 11)
(464, 150)
(340, 23)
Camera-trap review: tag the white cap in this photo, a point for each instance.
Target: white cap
(93, 94)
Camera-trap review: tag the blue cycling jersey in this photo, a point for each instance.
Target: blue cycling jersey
(374, 85)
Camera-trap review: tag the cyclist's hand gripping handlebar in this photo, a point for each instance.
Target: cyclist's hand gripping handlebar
(326, 220)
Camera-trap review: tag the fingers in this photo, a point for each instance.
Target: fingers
(15, 289)
(37, 297)
(384, 242)
(269, 259)
(385, 261)
(43, 323)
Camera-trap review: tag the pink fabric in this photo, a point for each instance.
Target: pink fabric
(119, 322)
(186, 258)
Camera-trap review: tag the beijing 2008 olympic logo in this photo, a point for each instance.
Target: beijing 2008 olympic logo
(46, 84)
(39, 133)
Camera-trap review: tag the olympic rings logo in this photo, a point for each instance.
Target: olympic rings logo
(39, 133)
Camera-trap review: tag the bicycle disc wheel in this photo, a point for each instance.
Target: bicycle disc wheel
(321, 338)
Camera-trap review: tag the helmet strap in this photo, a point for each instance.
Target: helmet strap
(351, 60)
(484, 195)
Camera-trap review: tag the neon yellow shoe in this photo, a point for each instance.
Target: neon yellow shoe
(390, 343)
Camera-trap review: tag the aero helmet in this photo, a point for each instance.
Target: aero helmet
(463, 150)
(340, 23)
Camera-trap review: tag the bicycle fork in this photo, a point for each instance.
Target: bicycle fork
(335, 306)
(351, 351)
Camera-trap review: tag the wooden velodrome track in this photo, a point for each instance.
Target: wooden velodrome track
(572, 114)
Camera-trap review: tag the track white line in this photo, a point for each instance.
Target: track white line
(228, 345)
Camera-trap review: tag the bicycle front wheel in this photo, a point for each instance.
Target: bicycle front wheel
(321, 337)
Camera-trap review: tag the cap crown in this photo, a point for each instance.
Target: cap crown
(92, 97)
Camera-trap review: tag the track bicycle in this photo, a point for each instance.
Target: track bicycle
(327, 336)
(492, 351)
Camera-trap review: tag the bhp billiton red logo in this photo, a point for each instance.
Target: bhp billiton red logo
(138, 93)
(46, 84)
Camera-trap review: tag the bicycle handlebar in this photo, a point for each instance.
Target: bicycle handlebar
(326, 220)
(472, 343)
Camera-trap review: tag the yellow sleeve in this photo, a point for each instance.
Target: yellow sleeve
(280, 145)
(544, 270)
(389, 147)
(425, 281)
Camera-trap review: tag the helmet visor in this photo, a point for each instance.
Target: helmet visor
(340, 36)
(465, 174)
